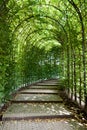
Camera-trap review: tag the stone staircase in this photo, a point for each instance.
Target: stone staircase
(39, 107)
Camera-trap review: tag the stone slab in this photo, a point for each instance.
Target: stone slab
(34, 109)
(39, 91)
(43, 87)
(43, 125)
(36, 97)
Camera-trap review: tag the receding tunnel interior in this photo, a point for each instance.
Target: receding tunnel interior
(43, 39)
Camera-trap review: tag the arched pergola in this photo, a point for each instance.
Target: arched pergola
(30, 32)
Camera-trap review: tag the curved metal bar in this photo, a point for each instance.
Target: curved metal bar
(50, 5)
(36, 31)
(26, 27)
(32, 16)
(43, 38)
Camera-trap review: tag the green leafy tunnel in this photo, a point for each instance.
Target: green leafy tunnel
(43, 39)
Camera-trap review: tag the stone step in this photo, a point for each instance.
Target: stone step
(36, 109)
(45, 84)
(47, 124)
(39, 91)
(36, 97)
(44, 87)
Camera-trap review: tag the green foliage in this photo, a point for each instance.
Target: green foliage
(42, 40)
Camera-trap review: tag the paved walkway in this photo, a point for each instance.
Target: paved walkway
(39, 107)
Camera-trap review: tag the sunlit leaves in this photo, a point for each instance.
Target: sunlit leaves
(31, 35)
